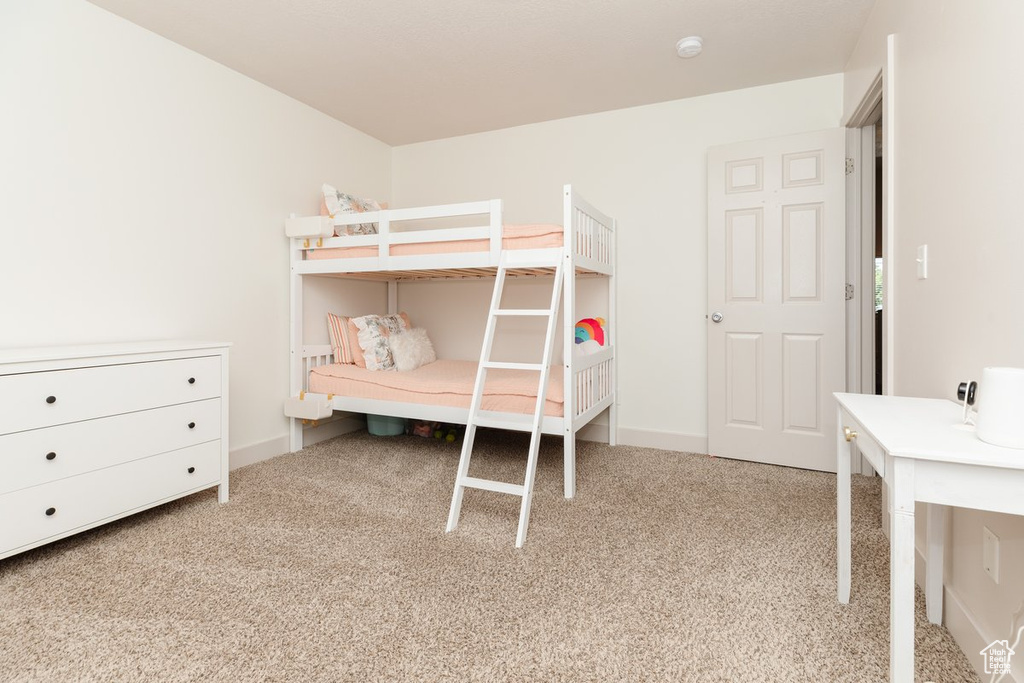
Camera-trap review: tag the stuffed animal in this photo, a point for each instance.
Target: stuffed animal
(589, 336)
(590, 328)
(422, 428)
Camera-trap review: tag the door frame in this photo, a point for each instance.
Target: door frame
(860, 227)
(860, 257)
(879, 101)
(860, 262)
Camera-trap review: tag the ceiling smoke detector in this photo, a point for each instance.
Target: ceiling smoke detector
(690, 47)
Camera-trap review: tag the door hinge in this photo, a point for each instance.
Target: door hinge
(849, 165)
(849, 292)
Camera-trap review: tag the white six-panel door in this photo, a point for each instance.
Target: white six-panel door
(776, 298)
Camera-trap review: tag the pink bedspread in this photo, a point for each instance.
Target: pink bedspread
(441, 383)
(512, 237)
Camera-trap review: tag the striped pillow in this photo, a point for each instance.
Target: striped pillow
(341, 344)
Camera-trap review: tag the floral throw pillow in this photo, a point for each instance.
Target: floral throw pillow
(374, 331)
(338, 202)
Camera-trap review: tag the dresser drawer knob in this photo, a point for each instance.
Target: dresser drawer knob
(191, 425)
(191, 470)
(51, 456)
(51, 399)
(191, 380)
(50, 512)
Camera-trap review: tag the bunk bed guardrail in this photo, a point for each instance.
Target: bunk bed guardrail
(590, 233)
(593, 386)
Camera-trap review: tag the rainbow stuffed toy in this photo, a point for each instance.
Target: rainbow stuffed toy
(589, 335)
(590, 328)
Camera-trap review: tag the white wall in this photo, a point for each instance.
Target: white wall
(958, 181)
(646, 167)
(143, 190)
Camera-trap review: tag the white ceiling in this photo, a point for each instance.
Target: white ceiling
(412, 70)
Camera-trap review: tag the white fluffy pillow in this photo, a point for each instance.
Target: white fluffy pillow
(411, 349)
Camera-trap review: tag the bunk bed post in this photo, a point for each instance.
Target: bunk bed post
(295, 374)
(496, 230)
(384, 240)
(613, 323)
(392, 297)
(568, 340)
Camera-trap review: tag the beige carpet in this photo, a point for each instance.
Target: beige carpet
(333, 565)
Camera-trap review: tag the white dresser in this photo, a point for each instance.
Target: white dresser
(89, 434)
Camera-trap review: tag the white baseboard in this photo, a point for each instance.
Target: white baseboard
(964, 628)
(265, 450)
(258, 452)
(593, 432)
(329, 430)
(666, 441)
(963, 625)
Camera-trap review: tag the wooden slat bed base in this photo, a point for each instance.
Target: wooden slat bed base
(450, 274)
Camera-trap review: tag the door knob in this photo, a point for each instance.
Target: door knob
(849, 434)
(716, 317)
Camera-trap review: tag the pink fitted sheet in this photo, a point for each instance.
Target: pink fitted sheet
(540, 236)
(441, 383)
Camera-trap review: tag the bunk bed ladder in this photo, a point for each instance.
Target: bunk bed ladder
(526, 423)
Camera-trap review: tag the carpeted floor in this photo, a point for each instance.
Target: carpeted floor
(333, 565)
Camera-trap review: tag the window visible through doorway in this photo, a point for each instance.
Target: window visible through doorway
(878, 284)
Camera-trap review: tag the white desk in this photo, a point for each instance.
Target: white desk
(923, 453)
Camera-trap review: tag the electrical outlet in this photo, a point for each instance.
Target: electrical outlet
(990, 553)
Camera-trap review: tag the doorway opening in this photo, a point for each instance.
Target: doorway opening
(879, 258)
(869, 270)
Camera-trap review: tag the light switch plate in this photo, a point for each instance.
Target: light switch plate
(922, 262)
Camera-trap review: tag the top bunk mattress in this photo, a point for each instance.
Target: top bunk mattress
(441, 383)
(539, 236)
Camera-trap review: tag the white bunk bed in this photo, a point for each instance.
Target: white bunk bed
(586, 248)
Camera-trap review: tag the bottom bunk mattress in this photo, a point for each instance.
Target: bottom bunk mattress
(441, 383)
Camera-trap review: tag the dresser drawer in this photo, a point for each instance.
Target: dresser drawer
(42, 455)
(42, 399)
(863, 442)
(39, 514)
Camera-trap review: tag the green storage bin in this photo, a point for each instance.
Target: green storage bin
(385, 425)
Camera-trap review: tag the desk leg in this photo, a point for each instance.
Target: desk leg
(901, 570)
(843, 522)
(936, 560)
